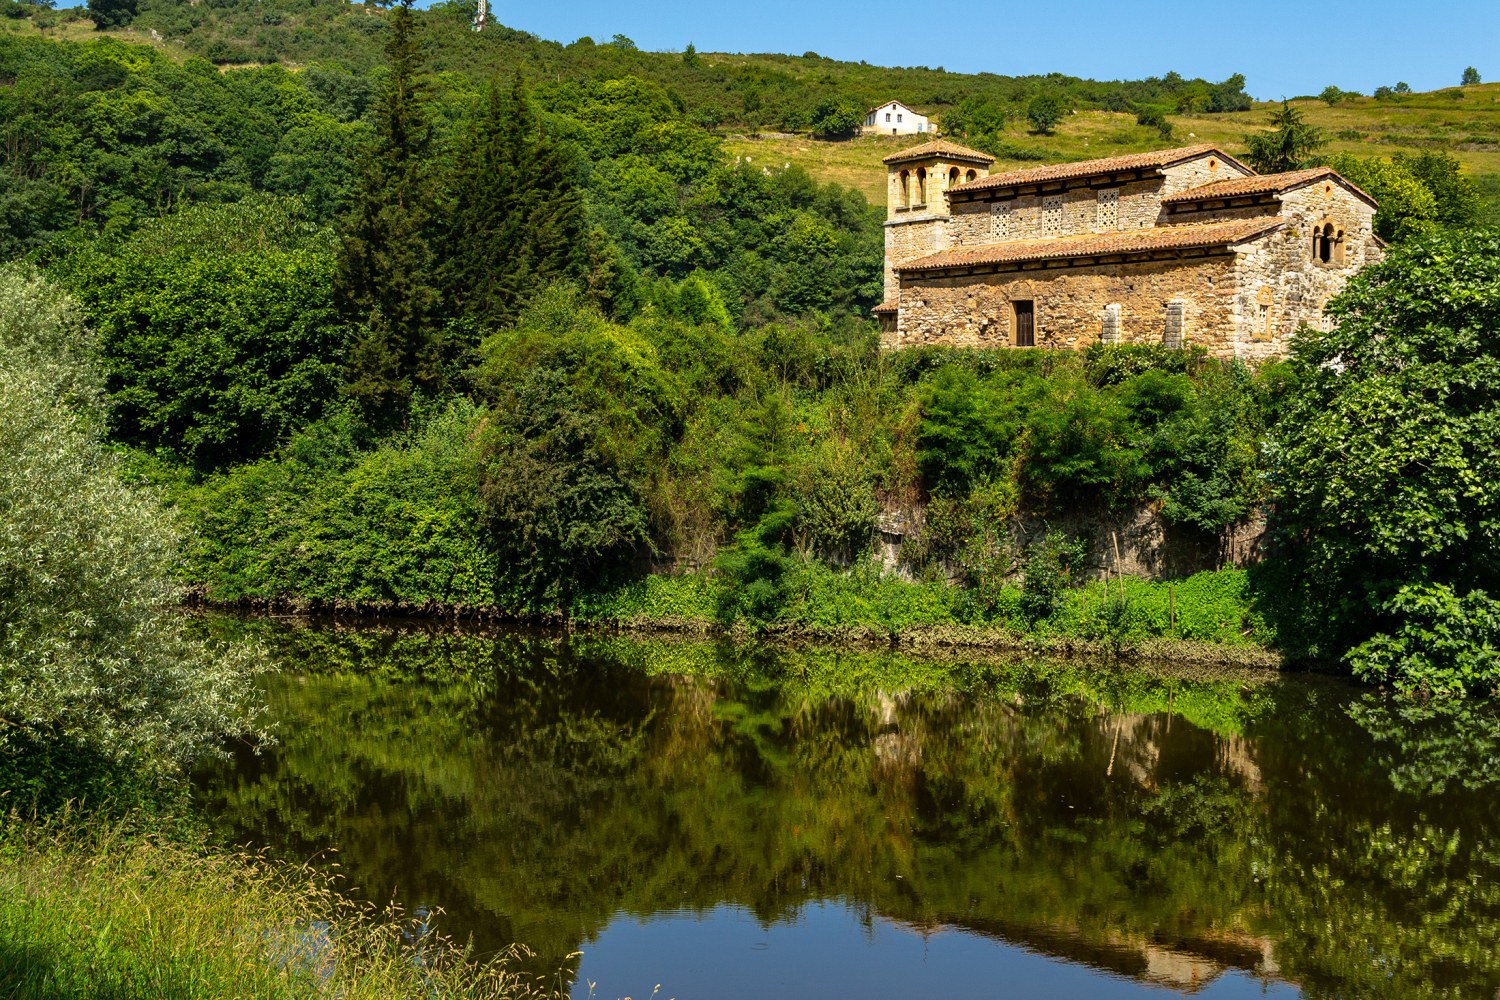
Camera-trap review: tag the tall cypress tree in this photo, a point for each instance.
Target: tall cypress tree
(385, 278)
(516, 217)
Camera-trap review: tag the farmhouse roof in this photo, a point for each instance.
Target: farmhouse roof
(1155, 159)
(1236, 187)
(884, 104)
(1189, 237)
(888, 306)
(939, 147)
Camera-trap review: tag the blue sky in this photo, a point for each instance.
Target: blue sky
(1284, 48)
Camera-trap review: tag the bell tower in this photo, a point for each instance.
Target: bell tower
(917, 183)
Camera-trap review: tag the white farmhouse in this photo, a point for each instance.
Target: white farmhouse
(895, 118)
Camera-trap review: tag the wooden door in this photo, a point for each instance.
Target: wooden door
(1025, 323)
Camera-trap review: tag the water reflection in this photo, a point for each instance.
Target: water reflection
(1128, 828)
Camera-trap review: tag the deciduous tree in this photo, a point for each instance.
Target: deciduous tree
(1386, 468)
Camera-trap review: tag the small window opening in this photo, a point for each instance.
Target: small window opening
(1025, 316)
(971, 175)
(1325, 247)
(921, 185)
(953, 177)
(905, 189)
(898, 118)
(887, 116)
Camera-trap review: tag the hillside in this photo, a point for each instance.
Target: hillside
(1464, 122)
(762, 103)
(738, 91)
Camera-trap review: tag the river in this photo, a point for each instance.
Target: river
(700, 820)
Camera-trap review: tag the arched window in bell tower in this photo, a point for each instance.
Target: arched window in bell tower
(905, 193)
(921, 185)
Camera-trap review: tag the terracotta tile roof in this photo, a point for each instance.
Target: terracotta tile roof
(939, 147)
(1208, 234)
(1089, 168)
(888, 306)
(1260, 184)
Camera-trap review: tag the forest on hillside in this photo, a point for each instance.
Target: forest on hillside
(743, 91)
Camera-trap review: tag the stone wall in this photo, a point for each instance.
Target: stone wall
(975, 223)
(1149, 548)
(1279, 285)
(1197, 172)
(975, 311)
(909, 237)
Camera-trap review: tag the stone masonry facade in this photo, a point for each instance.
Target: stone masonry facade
(1182, 247)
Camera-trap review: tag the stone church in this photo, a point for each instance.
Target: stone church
(1176, 247)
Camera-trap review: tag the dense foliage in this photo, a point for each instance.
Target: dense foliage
(1388, 455)
(1417, 194)
(1290, 143)
(94, 668)
(217, 328)
(742, 91)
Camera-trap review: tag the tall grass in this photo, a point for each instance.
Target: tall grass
(119, 915)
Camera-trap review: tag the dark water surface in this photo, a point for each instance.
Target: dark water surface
(745, 822)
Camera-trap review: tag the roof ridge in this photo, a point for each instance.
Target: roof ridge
(937, 146)
(1088, 168)
(1262, 184)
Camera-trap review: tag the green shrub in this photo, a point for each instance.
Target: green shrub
(93, 660)
(1443, 643)
(1052, 565)
(1385, 468)
(557, 511)
(323, 521)
(217, 330)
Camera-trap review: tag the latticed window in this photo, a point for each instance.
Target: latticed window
(1000, 222)
(1174, 329)
(1109, 330)
(1052, 216)
(1107, 215)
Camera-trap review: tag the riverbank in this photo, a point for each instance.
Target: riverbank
(115, 912)
(1206, 619)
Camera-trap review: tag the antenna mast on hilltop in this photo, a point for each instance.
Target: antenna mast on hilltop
(481, 12)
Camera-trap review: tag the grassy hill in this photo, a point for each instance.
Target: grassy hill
(1462, 121)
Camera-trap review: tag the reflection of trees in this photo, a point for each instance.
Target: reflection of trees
(1160, 827)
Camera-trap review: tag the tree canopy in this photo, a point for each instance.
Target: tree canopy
(1386, 466)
